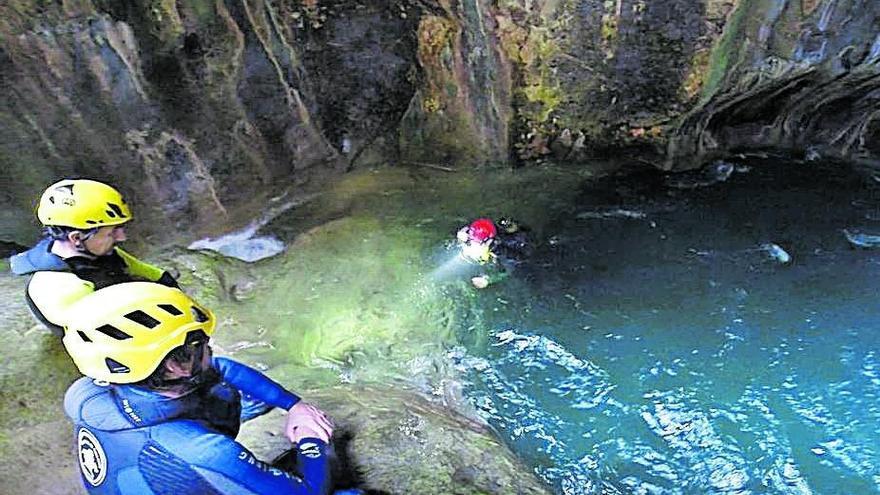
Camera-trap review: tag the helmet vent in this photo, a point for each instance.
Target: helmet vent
(91, 222)
(113, 332)
(116, 366)
(199, 315)
(143, 319)
(83, 336)
(171, 309)
(117, 211)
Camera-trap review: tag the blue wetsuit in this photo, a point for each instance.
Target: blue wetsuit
(130, 440)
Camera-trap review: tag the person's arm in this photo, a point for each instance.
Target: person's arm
(252, 382)
(146, 271)
(494, 273)
(231, 468)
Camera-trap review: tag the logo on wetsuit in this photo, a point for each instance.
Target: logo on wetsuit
(92, 460)
(310, 450)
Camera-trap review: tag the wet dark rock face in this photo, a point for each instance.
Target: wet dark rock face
(400, 443)
(626, 68)
(200, 110)
(804, 76)
(362, 57)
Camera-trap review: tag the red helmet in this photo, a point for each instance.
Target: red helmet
(481, 230)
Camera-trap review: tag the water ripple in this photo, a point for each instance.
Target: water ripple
(507, 400)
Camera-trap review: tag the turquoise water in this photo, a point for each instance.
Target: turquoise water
(654, 345)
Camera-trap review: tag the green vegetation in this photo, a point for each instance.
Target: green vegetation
(34, 377)
(726, 47)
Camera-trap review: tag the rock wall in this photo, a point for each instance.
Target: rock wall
(802, 75)
(189, 107)
(199, 110)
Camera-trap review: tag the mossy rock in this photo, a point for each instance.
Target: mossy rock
(33, 377)
(399, 442)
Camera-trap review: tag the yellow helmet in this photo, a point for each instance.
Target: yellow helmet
(121, 333)
(82, 204)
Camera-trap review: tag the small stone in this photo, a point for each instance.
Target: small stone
(464, 475)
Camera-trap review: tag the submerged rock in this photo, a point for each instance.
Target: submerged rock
(776, 252)
(245, 244)
(714, 173)
(861, 239)
(612, 213)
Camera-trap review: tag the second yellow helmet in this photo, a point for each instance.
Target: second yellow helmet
(121, 333)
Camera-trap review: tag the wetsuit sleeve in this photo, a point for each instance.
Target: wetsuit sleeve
(230, 468)
(495, 271)
(314, 464)
(138, 268)
(254, 383)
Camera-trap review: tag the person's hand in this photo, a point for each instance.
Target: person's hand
(301, 432)
(480, 282)
(307, 421)
(462, 235)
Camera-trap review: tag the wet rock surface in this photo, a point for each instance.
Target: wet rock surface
(795, 75)
(399, 442)
(36, 445)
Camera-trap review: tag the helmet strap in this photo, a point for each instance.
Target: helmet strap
(80, 243)
(200, 378)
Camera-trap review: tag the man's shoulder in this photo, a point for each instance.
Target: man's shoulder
(88, 403)
(36, 259)
(84, 395)
(58, 280)
(52, 293)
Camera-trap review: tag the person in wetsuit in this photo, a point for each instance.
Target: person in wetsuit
(496, 248)
(84, 221)
(157, 413)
